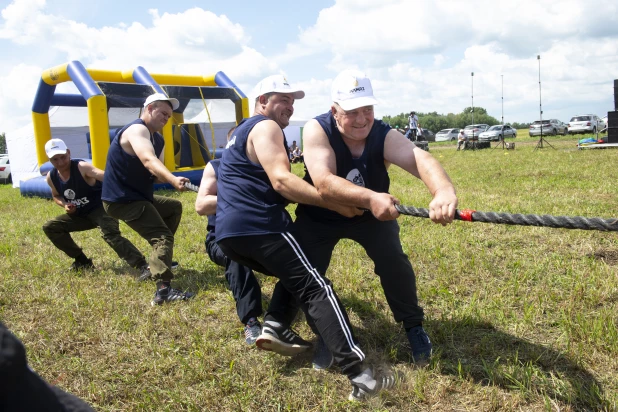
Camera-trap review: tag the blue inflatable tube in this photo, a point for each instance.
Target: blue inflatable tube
(38, 187)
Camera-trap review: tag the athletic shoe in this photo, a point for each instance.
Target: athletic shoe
(253, 329)
(421, 345)
(279, 339)
(322, 357)
(144, 273)
(168, 294)
(365, 385)
(82, 265)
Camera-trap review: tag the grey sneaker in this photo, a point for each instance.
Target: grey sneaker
(366, 386)
(167, 294)
(144, 273)
(253, 329)
(82, 265)
(282, 340)
(322, 357)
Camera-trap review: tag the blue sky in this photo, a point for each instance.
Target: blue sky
(419, 54)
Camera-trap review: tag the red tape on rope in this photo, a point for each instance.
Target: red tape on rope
(466, 214)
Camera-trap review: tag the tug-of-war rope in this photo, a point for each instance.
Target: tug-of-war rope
(562, 222)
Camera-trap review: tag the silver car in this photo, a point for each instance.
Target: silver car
(550, 127)
(447, 135)
(474, 130)
(497, 132)
(587, 123)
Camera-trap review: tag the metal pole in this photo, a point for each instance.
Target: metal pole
(472, 77)
(538, 57)
(502, 80)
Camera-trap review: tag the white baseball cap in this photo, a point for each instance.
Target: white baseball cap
(54, 147)
(352, 89)
(277, 84)
(160, 96)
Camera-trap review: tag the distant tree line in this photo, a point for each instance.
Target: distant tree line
(2, 143)
(435, 122)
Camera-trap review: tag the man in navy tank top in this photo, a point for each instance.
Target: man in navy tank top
(241, 279)
(254, 228)
(347, 153)
(134, 164)
(76, 187)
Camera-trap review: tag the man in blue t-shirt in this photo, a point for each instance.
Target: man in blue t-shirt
(134, 164)
(254, 186)
(347, 154)
(76, 187)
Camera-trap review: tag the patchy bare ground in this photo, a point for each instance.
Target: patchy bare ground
(608, 256)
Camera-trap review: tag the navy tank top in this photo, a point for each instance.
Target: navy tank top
(126, 179)
(76, 190)
(367, 171)
(247, 204)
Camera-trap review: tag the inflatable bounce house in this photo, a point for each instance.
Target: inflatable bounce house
(113, 99)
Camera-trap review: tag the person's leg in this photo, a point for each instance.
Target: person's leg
(242, 282)
(59, 229)
(111, 234)
(142, 217)
(170, 211)
(281, 256)
(383, 246)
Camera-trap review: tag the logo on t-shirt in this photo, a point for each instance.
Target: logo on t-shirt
(69, 194)
(355, 177)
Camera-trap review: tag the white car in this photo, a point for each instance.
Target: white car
(586, 123)
(474, 130)
(497, 132)
(447, 135)
(5, 169)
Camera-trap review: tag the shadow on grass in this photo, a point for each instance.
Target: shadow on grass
(476, 351)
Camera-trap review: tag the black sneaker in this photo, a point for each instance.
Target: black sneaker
(322, 357)
(281, 340)
(144, 274)
(420, 344)
(168, 294)
(82, 265)
(371, 386)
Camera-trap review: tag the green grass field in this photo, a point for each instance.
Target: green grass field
(521, 318)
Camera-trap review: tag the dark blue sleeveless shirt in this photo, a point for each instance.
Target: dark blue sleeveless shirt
(126, 179)
(76, 190)
(367, 171)
(212, 219)
(247, 204)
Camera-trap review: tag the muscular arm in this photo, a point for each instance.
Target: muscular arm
(321, 163)
(266, 147)
(89, 172)
(408, 156)
(138, 138)
(206, 201)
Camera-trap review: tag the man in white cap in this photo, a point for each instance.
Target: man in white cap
(76, 187)
(253, 228)
(347, 154)
(134, 163)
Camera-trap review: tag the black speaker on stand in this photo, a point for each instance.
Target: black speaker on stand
(612, 118)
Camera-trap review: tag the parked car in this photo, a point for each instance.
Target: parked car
(586, 123)
(427, 135)
(497, 132)
(447, 135)
(550, 127)
(5, 170)
(474, 130)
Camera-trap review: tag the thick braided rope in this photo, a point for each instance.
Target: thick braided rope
(564, 222)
